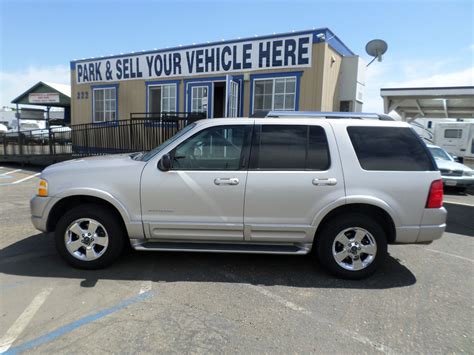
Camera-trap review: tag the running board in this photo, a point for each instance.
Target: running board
(223, 248)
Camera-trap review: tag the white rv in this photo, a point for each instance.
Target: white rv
(457, 138)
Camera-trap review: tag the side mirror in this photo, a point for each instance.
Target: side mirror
(164, 164)
(457, 159)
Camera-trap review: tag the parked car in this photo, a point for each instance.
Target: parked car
(341, 189)
(3, 128)
(453, 173)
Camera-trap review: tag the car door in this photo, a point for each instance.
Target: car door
(202, 196)
(294, 173)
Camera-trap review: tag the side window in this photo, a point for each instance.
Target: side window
(453, 133)
(215, 148)
(318, 150)
(285, 147)
(390, 149)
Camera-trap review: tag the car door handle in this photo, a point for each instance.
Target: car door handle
(226, 181)
(325, 182)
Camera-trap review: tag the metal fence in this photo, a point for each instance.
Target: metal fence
(142, 132)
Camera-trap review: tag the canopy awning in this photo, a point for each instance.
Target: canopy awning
(432, 102)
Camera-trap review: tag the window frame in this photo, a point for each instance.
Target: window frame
(274, 76)
(244, 153)
(255, 148)
(96, 88)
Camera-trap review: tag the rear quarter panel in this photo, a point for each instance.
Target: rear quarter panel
(403, 194)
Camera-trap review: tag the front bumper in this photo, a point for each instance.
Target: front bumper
(458, 181)
(40, 207)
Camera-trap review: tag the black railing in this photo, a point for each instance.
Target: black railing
(142, 132)
(51, 141)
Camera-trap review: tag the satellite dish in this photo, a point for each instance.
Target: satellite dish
(376, 48)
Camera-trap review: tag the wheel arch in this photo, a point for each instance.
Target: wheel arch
(66, 203)
(381, 215)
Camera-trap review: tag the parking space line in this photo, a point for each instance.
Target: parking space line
(458, 203)
(77, 324)
(447, 254)
(26, 178)
(10, 172)
(19, 181)
(23, 320)
(145, 287)
(294, 307)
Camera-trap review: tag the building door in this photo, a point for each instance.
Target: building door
(232, 97)
(199, 98)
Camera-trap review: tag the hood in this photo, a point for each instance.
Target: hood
(450, 165)
(101, 162)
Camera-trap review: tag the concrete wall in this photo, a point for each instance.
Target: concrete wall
(318, 89)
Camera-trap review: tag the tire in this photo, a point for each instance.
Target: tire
(341, 236)
(101, 248)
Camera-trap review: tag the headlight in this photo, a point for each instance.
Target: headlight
(43, 188)
(468, 173)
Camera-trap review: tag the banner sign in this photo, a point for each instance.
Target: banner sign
(273, 53)
(43, 98)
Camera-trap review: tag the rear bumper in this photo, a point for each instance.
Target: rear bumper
(432, 227)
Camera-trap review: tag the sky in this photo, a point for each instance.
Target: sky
(430, 43)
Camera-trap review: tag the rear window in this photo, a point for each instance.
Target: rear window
(390, 149)
(285, 147)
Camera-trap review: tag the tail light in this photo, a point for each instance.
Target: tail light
(435, 197)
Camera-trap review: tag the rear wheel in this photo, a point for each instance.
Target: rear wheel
(89, 237)
(351, 246)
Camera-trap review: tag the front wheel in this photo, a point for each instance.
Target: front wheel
(89, 237)
(351, 246)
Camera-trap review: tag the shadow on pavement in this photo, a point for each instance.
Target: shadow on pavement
(35, 256)
(460, 219)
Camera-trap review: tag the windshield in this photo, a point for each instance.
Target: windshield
(439, 153)
(153, 152)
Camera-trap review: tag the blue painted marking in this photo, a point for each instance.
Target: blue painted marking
(77, 324)
(5, 287)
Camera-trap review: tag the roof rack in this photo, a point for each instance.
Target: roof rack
(331, 115)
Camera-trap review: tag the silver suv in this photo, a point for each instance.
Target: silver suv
(339, 188)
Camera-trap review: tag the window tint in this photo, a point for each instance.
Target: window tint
(390, 148)
(318, 151)
(215, 148)
(284, 147)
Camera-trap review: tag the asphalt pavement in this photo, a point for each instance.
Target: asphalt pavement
(421, 301)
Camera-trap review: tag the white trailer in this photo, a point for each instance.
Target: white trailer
(457, 138)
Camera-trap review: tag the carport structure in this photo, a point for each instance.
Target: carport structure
(47, 95)
(432, 102)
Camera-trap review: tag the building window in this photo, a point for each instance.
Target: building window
(199, 99)
(162, 98)
(274, 94)
(105, 104)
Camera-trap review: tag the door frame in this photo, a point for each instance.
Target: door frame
(209, 81)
